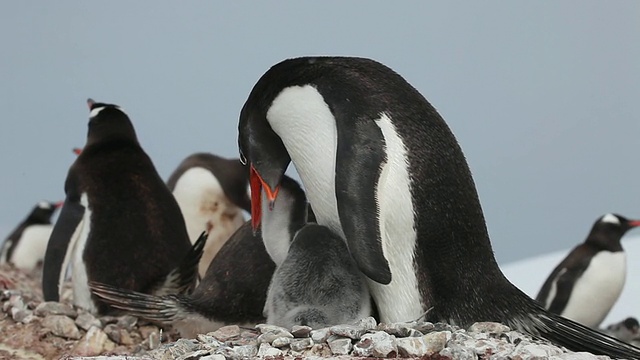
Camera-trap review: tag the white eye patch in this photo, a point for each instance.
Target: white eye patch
(44, 205)
(94, 112)
(610, 218)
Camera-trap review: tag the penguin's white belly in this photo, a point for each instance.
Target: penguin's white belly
(80, 279)
(205, 207)
(31, 247)
(307, 128)
(597, 290)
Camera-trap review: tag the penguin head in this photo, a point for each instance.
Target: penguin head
(42, 212)
(108, 122)
(609, 229)
(263, 151)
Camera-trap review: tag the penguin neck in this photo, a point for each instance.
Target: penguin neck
(280, 224)
(121, 131)
(608, 242)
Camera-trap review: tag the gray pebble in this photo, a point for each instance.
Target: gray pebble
(300, 331)
(378, 344)
(19, 315)
(127, 322)
(268, 350)
(226, 332)
(350, 331)
(61, 326)
(55, 308)
(489, 327)
(245, 352)
(301, 344)
(341, 346)
(85, 321)
(368, 323)
(320, 335)
(281, 342)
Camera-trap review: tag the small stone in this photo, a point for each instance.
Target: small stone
(113, 332)
(107, 319)
(208, 340)
(302, 344)
(378, 344)
(125, 338)
(55, 308)
(61, 326)
(196, 355)
(266, 328)
(29, 319)
(423, 327)
(318, 350)
(443, 327)
(147, 330)
(489, 327)
(18, 314)
(92, 344)
(350, 331)
(368, 323)
(245, 351)
(6, 306)
(320, 335)
(436, 341)
(226, 332)
(412, 347)
(17, 301)
(85, 321)
(281, 342)
(341, 346)
(213, 357)
(397, 329)
(268, 350)
(300, 331)
(459, 353)
(127, 322)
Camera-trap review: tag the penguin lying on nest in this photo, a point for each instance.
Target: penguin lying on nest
(383, 170)
(119, 224)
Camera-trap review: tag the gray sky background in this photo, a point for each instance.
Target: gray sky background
(543, 96)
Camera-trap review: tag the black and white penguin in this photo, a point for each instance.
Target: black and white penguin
(628, 330)
(318, 284)
(587, 283)
(382, 169)
(234, 288)
(26, 244)
(119, 225)
(212, 193)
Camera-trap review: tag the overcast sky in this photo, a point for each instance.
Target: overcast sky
(543, 96)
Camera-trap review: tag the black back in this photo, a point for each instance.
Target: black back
(137, 234)
(232, 175)
(39, 215)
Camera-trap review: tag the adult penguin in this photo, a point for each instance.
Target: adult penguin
(119, 224)
(382, 169)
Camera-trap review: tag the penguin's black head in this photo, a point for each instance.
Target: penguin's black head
(108, 122)
(609, 229)
(632, 324)
(265, 154)
(42, 212)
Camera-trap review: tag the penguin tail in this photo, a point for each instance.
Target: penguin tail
(572, 335)
(182, 279)
(159, 309)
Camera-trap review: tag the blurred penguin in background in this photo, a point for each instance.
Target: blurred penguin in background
(26, 245)
(212, 192)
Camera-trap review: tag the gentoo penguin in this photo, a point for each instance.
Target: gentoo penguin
(27, 243)
(211, 192)
(318, 284)
(119, 225)
(382, 169)
(627, 330)
(234, 288)
(587, 283)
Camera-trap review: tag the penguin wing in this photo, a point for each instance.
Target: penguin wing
(564, 285)
(360, 156)
(58, 249)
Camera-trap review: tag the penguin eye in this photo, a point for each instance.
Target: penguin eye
(243, 159)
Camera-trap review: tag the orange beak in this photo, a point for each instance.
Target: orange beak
(77, 151)
(257, 184)
(59, 204)
(634, 223)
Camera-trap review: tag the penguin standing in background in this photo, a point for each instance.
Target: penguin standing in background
(211, 192)
(628, 330)
(119, 225)
(234, 288)
(587, 283)
(382, 170)
(26, 245)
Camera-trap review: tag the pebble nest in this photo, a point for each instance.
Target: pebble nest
(32, 329)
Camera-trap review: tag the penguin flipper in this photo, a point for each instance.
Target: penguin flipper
(159, 309)
(577, 337)
(59, 247)
(360, 156)
(564, 286)
(182, 279)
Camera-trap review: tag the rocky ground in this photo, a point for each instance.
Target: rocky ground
(32, 329)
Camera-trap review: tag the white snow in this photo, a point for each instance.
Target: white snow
(530, 274)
